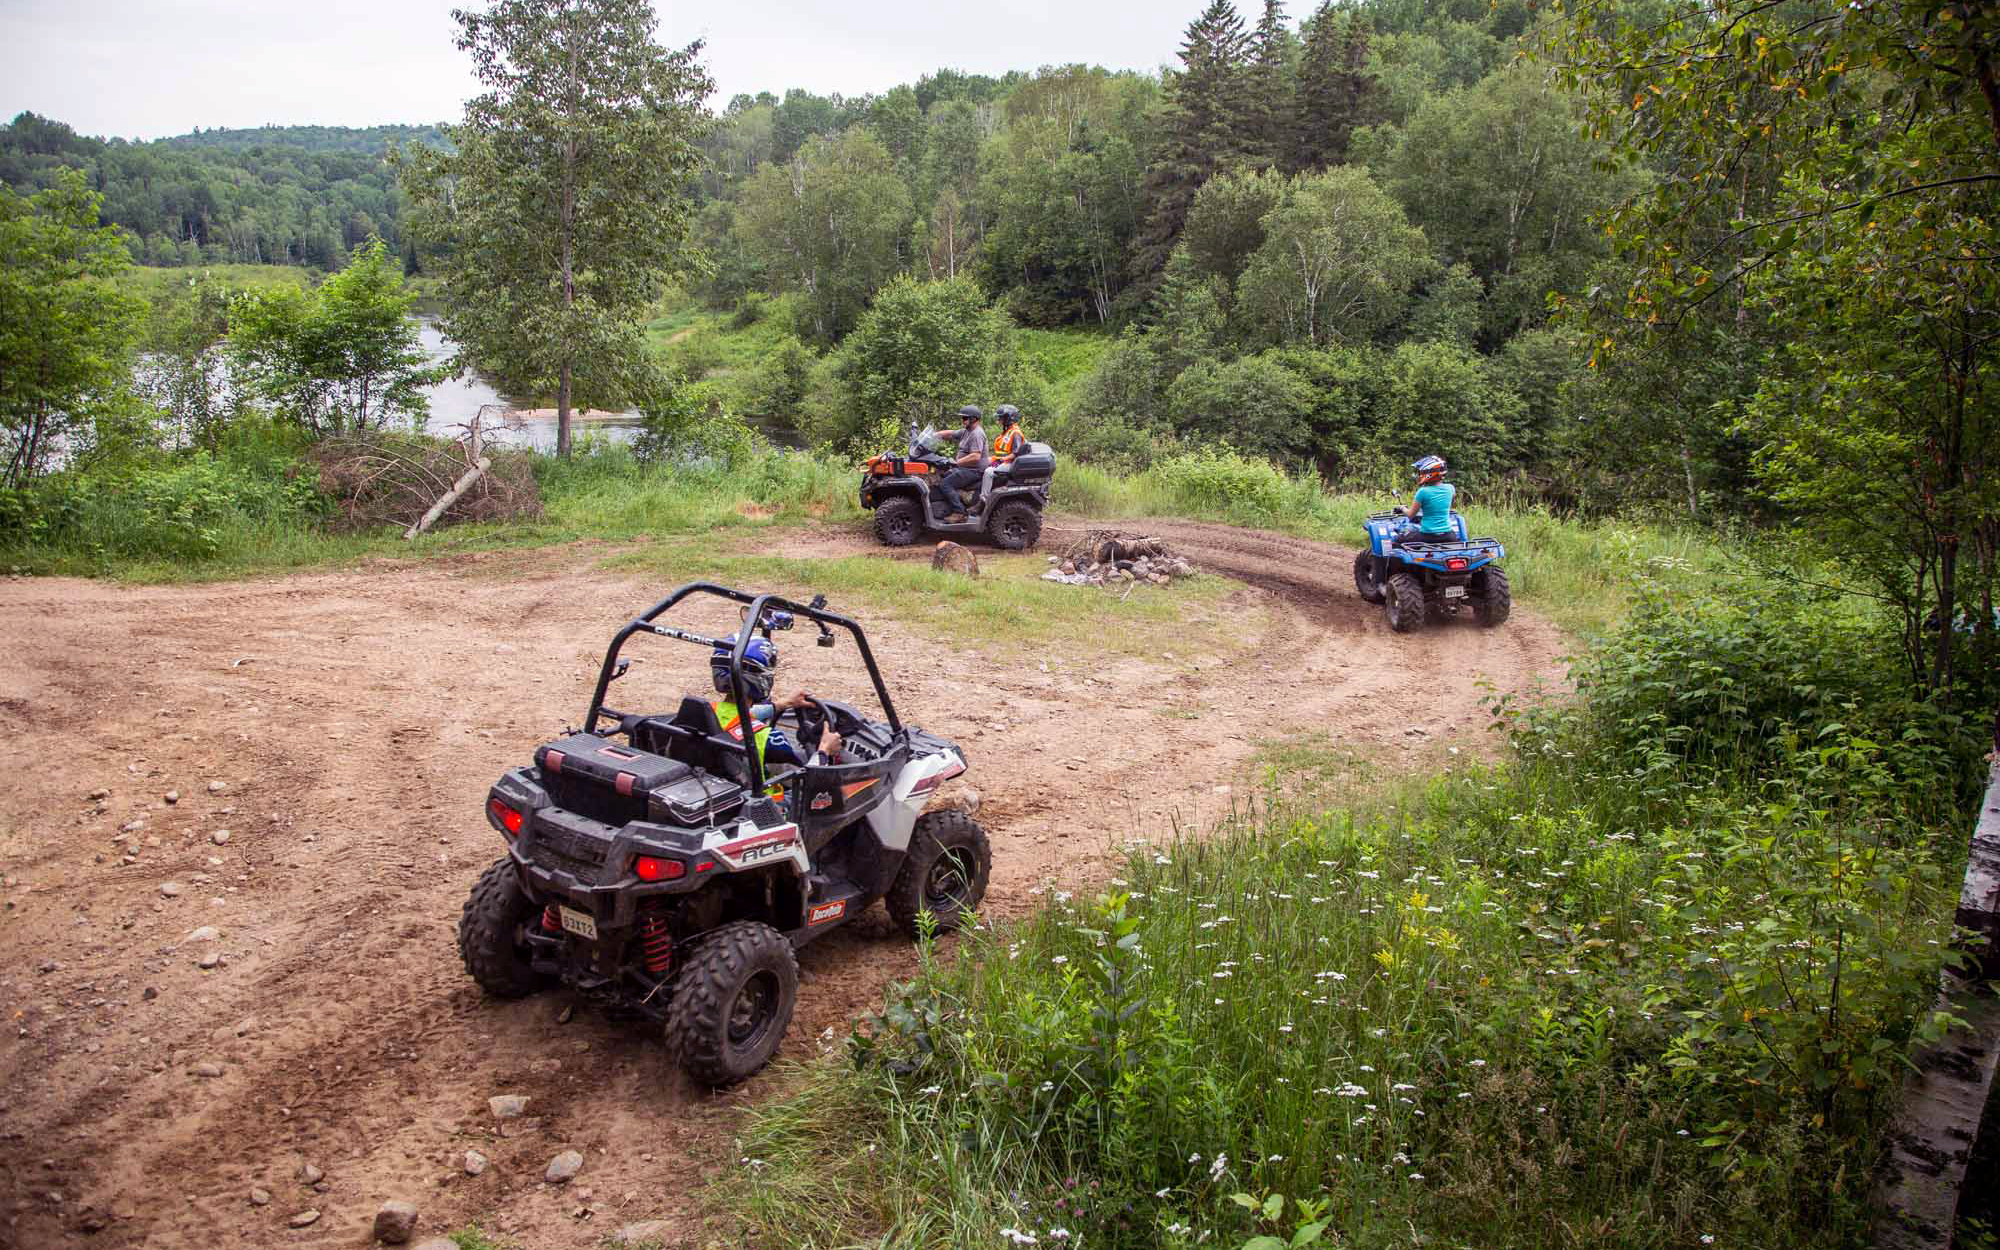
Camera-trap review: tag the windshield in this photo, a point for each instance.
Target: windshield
(927, 442)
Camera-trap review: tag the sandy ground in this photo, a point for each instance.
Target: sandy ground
(343, 728)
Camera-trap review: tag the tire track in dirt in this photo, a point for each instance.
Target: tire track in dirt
(357, 719)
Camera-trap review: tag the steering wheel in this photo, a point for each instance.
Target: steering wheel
(813, 718)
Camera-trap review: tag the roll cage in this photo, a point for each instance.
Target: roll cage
(763, 614)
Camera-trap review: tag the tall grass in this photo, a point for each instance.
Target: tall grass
(1575, 999)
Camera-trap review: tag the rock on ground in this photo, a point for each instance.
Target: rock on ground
(475, 1163)
(507, 1106)
(396, 1221)
(308, 1216)
(563, 1167)
(952, 558)
(643, 1232)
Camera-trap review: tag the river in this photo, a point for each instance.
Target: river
(456, 401)
(517, 423)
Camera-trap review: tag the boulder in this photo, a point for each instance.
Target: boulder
(952, 558)
(396, 1222)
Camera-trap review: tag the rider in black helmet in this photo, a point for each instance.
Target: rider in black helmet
(970, 463)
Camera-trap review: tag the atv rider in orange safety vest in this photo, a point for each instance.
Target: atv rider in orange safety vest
(1011, 441)
(760, 671)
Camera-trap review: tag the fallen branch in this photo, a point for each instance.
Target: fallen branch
(459, 488)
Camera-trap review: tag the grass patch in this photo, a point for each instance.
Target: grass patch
(1062, 358)
(1008, 607)
(153, 283)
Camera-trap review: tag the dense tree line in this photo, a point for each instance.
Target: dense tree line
(284, 195)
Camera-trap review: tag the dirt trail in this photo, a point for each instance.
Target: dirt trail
(354, 721)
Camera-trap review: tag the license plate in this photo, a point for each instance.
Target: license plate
(583, 924)
(1454, 592)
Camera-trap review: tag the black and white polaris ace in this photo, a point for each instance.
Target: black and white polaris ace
(652, 864)
(908, 494)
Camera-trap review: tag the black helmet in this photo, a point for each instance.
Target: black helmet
(970, 413)
(1007, 413)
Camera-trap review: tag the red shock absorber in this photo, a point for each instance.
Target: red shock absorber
(550, 920)
(656, 943)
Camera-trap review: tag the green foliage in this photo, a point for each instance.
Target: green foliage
(924, 349)
(829, 224)
(1253, 403)
(195, 508)
(1337, 262)
(279, 195)
(557, 246)
(1485, 1010)
(66, 331)
(342, 357)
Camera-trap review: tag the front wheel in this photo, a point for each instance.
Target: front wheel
(733, 1002)
(1406, 603)
(1364, 577)
(898, 521)
(1492, 598)
(944, 873)
(1015, 525)
(490, 934)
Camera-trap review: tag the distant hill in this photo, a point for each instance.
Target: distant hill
(366, 140)
(275, 195)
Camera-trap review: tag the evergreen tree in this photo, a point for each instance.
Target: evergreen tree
(1335, 94)
(1268, 105)
(1202, 132)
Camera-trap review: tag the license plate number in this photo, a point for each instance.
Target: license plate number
(583, 924)
(1454, 592)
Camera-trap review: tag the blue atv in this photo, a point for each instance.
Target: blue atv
(1425, 579)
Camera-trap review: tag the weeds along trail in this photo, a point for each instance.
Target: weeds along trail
(354, 721)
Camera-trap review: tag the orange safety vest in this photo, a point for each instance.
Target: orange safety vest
(1010, 443)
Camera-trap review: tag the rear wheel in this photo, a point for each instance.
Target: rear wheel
(1015, 525)
(898, 521)
(1492, 599)
(1406, 603)
(491, 937)
(945, 873)
(1364, 577)
(733, 1002)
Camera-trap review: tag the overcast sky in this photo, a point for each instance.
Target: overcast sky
(147, 68)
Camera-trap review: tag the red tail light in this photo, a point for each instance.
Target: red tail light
(654, 868)
(1455, 563)
(504, 816)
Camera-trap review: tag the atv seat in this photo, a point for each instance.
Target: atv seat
(691, 738)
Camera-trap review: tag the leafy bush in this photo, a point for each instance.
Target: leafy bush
(1762, 680)
(187, 507)
(1224, 482)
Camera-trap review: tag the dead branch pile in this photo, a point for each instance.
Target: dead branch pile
(378, 479)
(1108, 558)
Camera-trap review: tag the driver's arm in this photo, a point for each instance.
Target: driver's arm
(1414, 511)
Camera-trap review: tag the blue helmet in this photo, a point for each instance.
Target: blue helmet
(760, 667)
(1429, 469)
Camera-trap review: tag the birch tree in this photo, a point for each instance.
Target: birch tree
(565, 204)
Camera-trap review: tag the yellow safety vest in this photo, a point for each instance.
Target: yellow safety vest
(732, 724)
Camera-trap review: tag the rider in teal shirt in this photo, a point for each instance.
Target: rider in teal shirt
(1431, 508)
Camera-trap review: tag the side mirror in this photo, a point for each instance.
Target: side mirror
(623, 667)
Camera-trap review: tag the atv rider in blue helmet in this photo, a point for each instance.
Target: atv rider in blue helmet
(1428, 518)
(760, 672)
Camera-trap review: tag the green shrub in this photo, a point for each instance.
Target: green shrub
(1223, 482)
